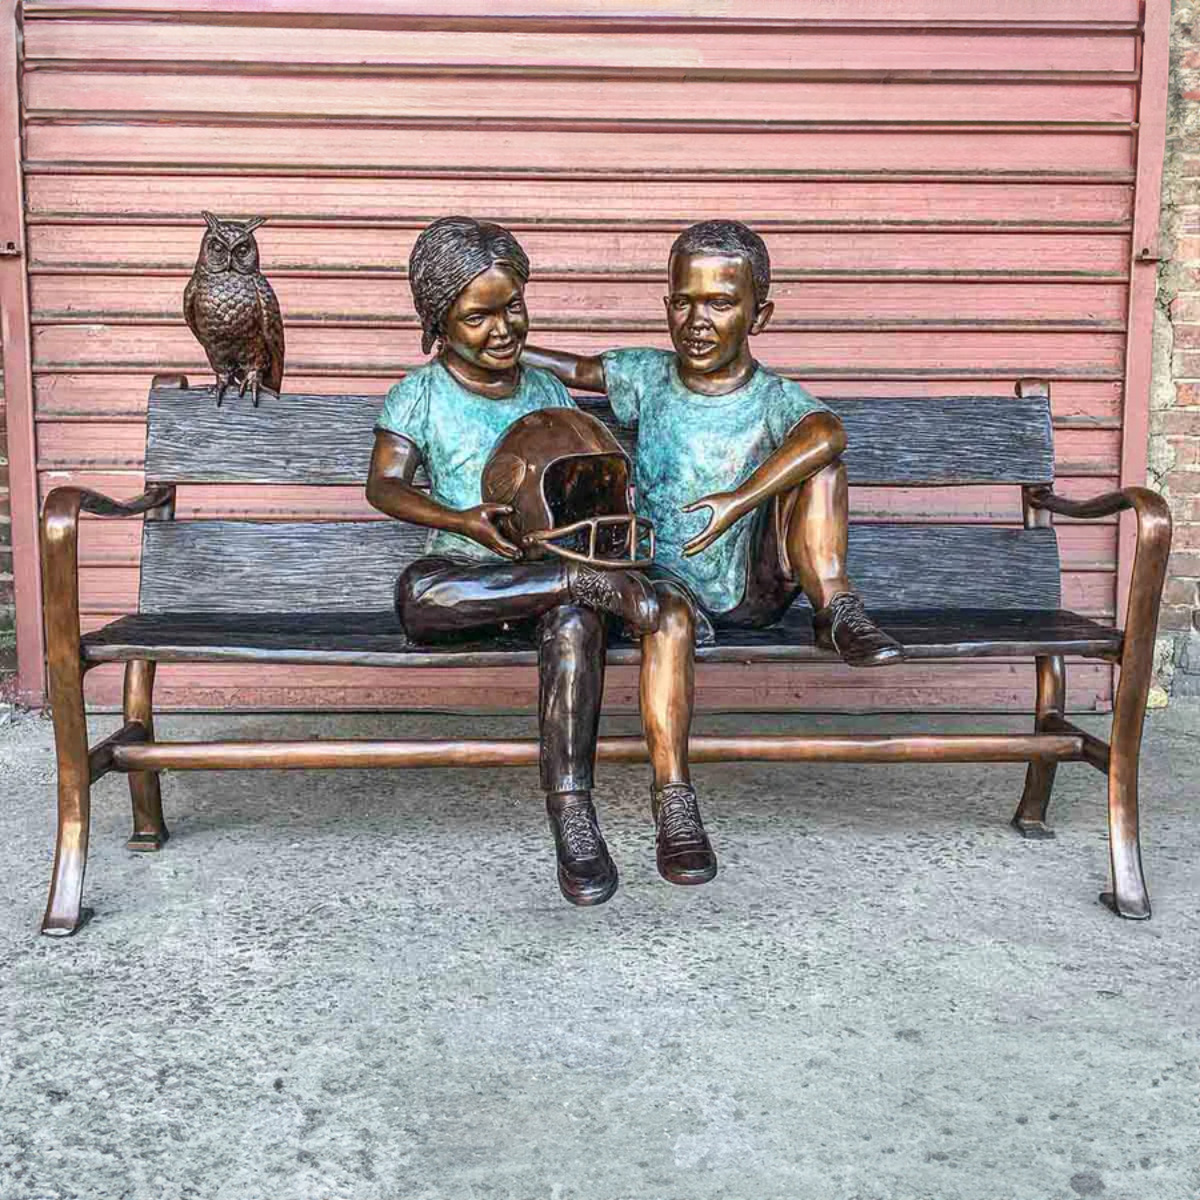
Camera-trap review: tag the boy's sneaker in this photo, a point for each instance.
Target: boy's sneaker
(682, 850)
(845, 627)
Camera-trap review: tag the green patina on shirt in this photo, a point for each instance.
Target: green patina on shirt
(690, 445)
(455, 430)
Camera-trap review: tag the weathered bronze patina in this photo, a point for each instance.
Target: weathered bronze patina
(531, 528)
(294, 594)
(710, 416)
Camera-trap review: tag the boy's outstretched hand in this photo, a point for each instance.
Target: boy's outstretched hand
(477, 524)
(726, 509)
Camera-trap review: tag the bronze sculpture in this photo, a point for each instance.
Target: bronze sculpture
(718, 431)
(231, 308)
(452, 415)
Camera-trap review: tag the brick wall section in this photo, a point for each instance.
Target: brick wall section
(1175, 405)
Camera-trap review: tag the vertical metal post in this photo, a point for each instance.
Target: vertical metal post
(18, 371)
(1051, 674)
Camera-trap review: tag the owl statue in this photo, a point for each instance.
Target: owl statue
(231, 308)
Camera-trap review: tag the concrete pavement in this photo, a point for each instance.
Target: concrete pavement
(364, 986)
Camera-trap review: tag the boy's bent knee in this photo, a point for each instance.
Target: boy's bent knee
(824, 428)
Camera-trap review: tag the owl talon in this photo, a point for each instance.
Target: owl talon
(222, 384)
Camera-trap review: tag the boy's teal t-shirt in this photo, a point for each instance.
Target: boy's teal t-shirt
(455, 431)
(690, 445)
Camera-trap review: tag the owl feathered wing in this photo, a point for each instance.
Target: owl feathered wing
(189, 306)
(272, 327)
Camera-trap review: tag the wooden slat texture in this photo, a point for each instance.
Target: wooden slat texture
(119, 443)
(320, 439)
(373, 638)
(912, 687)
(111, 591)
(212, 566)
(946, 191)
(1086, 548)
(987, 504)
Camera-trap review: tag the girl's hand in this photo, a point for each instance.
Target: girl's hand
(478, 524)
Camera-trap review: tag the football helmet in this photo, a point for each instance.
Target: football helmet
(567, 481)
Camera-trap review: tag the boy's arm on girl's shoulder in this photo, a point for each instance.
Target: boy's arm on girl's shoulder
(583, 371)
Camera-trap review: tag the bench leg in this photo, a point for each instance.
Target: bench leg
(64, 911)
(1030, 817)
(149, 828)
(1129, 897)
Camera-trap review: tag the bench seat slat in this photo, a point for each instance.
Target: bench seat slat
(326, 440)
(348, 566)
(375, 639)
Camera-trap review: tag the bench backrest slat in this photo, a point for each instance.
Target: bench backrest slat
(302, 439)
(246, 566)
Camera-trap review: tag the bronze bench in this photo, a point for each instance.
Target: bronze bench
(322, 593)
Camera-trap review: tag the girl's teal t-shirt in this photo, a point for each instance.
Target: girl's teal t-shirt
(455, 431)
(690, 445)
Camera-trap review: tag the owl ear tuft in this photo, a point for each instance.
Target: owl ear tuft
(252, 224)
(211, 221)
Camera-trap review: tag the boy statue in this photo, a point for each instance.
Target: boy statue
(468, 282)
(717, 431)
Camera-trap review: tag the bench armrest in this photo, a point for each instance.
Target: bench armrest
(68, 502)
(1149, 556)
(1142, 500)
(60, 557)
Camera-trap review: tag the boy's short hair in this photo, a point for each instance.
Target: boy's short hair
(446, 256)
(732, 238)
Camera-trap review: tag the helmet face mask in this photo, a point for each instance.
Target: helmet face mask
(567, 480)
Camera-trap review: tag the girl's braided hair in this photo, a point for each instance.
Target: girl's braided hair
(446, 256)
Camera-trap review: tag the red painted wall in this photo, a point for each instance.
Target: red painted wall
(948, 201)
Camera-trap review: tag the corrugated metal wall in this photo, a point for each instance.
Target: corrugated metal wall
(948, 203)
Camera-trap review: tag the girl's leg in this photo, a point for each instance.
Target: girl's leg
(442, 598)
(572, 643)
